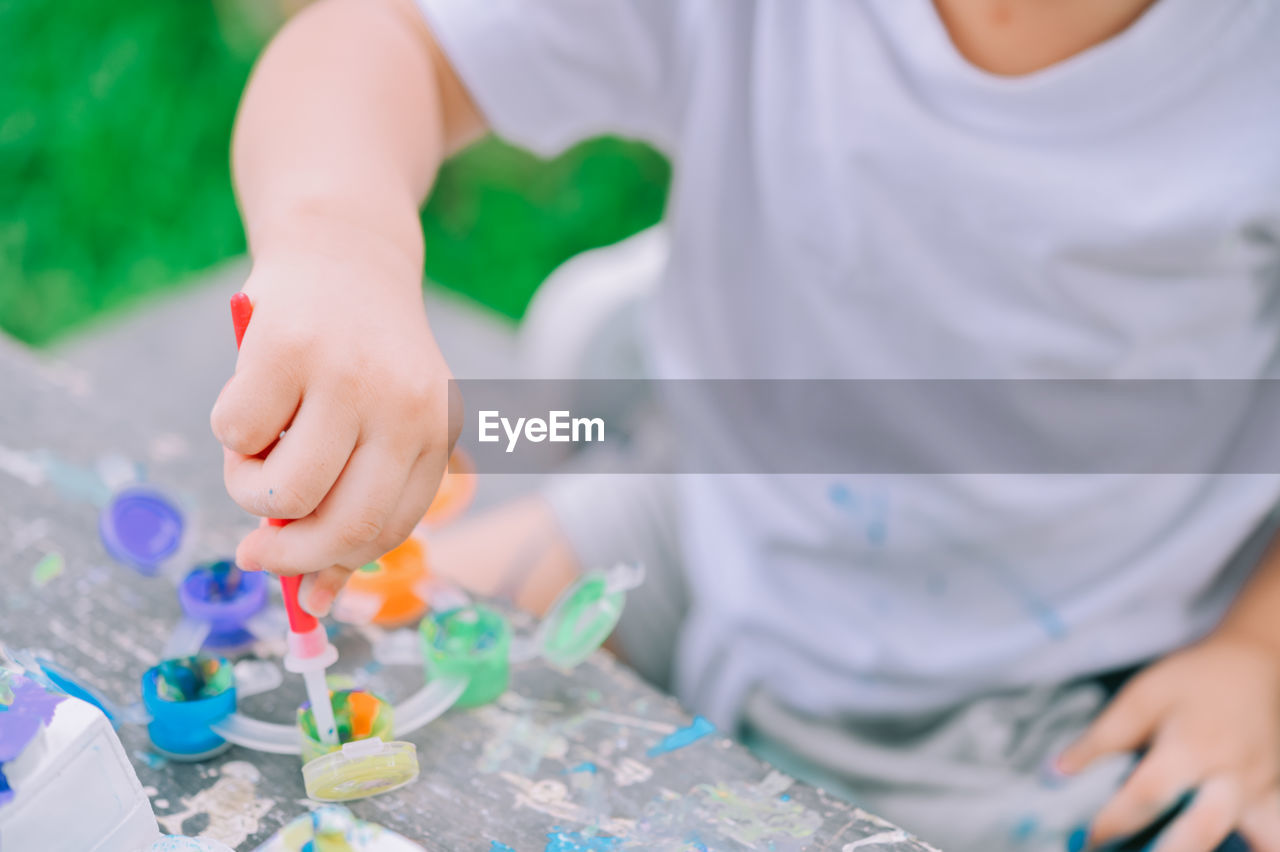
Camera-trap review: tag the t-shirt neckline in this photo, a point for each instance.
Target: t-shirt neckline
(1108, 83)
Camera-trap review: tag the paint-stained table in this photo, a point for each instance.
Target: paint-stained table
(563, 761)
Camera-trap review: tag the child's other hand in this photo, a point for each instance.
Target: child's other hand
(1210, 718)
(339, 353)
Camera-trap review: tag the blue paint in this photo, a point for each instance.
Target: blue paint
(1077, 839)
(582, 767)
(1025, 829)
(28, 709)
(495, 846)
(701, 727)
(67, 684)
(871, 511)
(784, 797)
(576, 841)
(840, 495)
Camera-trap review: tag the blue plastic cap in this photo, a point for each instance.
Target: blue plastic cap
(141, 528)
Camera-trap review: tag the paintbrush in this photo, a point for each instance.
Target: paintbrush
(310, 652)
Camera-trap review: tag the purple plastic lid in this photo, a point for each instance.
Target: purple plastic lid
(224, 612)
(141, 527)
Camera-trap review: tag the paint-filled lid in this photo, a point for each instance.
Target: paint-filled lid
(585, 614)
(141, 528)
(359, 769)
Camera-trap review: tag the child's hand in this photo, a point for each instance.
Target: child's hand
(1210, 717)
(339, 353)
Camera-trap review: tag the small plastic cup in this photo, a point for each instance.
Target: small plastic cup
(141, 528)
(365, 762)
(359, 715)
(473, 642)
(360, 769)
(184, 697)
(580, 621)
(226, 597)
(394, 584)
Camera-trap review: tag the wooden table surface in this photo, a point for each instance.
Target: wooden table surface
(559, 763)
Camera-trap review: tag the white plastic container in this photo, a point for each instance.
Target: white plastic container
(75, 790)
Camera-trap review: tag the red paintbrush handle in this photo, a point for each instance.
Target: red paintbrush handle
(300, 621)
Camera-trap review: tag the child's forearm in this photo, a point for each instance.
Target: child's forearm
(1256, 613)
(342, 128)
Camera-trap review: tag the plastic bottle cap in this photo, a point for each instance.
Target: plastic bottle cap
(141, 527)
(470, 643)
(360, 769)
(226, 597)
(580, 620)
(185, 696)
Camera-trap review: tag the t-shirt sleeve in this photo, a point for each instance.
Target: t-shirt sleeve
(548, 73)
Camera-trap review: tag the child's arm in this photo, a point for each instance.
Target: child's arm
(339, 136)
(1210, 718)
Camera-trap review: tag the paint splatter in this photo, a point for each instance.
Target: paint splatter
(495, 846)
(171, 843)
(699, 728)
(1025, 829)
(712, 816)
(30, 707)
(576, 841)
(553, 799)
(231, 804)
(49, 568)
(582, 767)
(881, 838)
(520, 743)
(870, 511)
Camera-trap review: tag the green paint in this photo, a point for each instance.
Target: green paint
(471, 642)
(193, 678)
(359, 715)
(47, 569)
(581, 621)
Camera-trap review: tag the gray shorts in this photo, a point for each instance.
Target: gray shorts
(974, 778)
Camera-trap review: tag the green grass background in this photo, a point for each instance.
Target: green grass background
(114, 182)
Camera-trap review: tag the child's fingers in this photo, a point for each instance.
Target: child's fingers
(1124, 725)
(317, 591)
(302, 468)
(1209, 819)
(1160, 779)
(420, 487)
(255, 406)
(1260, 825)
(346, 528)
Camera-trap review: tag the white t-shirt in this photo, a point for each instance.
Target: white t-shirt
(853, 199)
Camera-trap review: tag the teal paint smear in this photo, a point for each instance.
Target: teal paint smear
(495, 846)
(583, 767)
(576, 841)
(699, 728)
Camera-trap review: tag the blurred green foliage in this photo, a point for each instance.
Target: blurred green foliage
(114, 123)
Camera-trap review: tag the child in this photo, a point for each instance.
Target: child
(863, 189)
